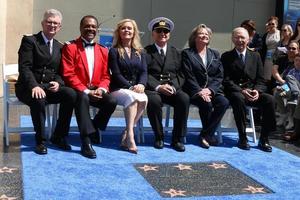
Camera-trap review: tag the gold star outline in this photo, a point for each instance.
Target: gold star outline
(7, 170)
(146, 168)
(183, 167)
(254, 190)
(173, 193)
(4, 197)
(218, 166)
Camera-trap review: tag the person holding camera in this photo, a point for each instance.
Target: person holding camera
(39, 82)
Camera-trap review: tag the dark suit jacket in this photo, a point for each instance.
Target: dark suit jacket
(75, 69)
(238, 75)
(160, 72)
(36, 66)
(199, 76)
(127, 72)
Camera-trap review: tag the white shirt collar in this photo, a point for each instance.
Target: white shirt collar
(84, 40)
(46, 39)
(159, 48)
(244, 52)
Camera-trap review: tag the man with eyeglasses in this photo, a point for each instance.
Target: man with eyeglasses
(39, 82)
(165, 80)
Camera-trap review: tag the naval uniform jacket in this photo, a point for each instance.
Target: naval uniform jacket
(36, 66)
(160, 72)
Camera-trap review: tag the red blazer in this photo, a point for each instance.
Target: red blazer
(75, 70)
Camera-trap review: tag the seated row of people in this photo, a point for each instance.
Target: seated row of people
(83, 73)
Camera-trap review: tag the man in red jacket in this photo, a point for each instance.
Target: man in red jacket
(84, 65)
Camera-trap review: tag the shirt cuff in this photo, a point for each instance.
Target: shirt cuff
(86, 91)
(103, 89)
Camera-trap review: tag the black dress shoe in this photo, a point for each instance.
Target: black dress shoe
(203, 143)
(95, 137)
(264, 146)
(243, 144)
(178, 146)
(87, 150)
(41, 149)
(159, 144)
(61, 143)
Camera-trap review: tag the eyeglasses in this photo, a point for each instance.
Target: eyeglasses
(269, 24)
(162, 30)
(292, 48)
(50, 23)
(284, 30)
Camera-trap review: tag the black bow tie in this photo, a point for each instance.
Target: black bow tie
(89, 44)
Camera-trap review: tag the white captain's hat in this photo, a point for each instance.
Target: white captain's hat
(161, 23)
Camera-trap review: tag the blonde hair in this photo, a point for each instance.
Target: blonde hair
(194, 34)
(136, 40)
(289, 28)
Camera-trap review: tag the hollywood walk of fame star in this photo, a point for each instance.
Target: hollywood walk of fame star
(254, 190)
(149, 168)
(7, 170)
(218, 166)
(183, 167)
(173, 193)
(4, 197)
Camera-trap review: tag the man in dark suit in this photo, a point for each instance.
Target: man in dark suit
(39, 82)
(244, 85)
(165, 79)
(84, 65)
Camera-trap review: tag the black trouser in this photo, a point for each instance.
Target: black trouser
(180, 102)
(106, 106)
(65, 96)
(211, 113)
(265, 103)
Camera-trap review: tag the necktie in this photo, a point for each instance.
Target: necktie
(49, 47)
(242, 58)
(162, 54)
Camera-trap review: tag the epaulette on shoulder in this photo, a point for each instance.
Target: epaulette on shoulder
(250, 49)
(69, 42)
(29, 34)
(103, 46)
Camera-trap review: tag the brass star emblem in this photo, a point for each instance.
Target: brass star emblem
(7, 170)
(254, 190)
(173, 193)
(183, 167)
(4, 197)
(149, 168)
(218, 166)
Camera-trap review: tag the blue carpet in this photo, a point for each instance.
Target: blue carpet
(69, 176)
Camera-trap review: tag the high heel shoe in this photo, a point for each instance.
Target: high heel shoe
(123, 144)
(132, 149)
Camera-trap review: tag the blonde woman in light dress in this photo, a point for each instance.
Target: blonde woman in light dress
(127, 63)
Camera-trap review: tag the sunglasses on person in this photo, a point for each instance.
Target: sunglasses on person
(292, 48)
(284, 30)
(162, 30)
(298, 24)
(271, 24)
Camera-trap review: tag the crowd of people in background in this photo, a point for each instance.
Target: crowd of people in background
(263, 72)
